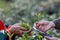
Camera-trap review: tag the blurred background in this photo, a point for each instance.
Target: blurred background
(30, 11)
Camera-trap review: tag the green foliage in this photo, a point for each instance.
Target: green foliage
(25, 11)
(26, 25)
(34, 35)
